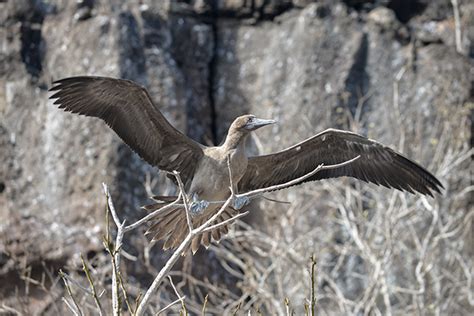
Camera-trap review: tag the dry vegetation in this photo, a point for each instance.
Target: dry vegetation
(119, 294)
(366, 250)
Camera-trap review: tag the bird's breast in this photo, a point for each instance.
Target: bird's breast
(211, 180)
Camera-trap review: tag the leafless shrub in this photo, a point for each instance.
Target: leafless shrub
(377, 251)
(119, 293)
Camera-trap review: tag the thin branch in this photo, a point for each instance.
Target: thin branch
(79, 286)
(178, 295)
(124, 292)
(151, 215)
(110, 204)
(275, 200)
(297, 180)
(115, 252)
(185, 199)
(171, 304)
(159, 278)
(92, 286)
(203, 311)
(115, 255)
(313, 282)
(8, 309)
(214, 217)
(71, 307)
(259, 192)
(457, 26)
(287, 306)
(223, 223)
(76, 310)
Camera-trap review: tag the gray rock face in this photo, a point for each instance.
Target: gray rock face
(373, 66)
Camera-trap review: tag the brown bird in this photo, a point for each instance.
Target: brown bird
(129, 110)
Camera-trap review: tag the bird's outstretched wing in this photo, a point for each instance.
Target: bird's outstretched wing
(128, 109)
(377, 164)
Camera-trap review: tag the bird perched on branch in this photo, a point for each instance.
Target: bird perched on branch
(128, 109)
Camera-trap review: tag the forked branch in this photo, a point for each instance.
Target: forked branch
(209, 225)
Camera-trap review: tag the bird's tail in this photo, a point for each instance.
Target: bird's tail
(171, 225)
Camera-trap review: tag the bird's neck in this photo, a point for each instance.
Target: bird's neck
(235, 140)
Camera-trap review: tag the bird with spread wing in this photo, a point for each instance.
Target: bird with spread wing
(128, 109)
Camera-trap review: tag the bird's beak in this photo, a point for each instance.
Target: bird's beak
(257, 123)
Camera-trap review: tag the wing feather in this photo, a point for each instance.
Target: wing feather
(127, 108)
(377, 164)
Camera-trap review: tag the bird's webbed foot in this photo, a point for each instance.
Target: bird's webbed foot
(240, 202)
(197, 206)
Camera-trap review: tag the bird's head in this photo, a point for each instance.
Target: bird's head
(248, 123)
(241, 128)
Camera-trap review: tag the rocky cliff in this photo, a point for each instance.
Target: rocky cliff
(398, 71)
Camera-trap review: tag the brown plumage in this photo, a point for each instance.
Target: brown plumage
(128, 109)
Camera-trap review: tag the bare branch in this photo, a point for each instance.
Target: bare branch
(178, 295)
(115, 252)
(457, 26)
(174, 258)
(223, 223)
(171, 304)
(92, 286)
(185, 199)
(181, 248)
(76, 309)
(297, 180)
(110, 204)
(71, 307)
(7, 309)
(205, 227)
(151, 215)
(79, 286)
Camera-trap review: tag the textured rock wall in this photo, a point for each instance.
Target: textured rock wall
(309, 64)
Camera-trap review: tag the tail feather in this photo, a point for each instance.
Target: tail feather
(162, 222)
(180, 231)
(195, 244)
(216, 234)
(169, 242)
(176, 233)
(168, 228)
(205, 239)
(171, 226)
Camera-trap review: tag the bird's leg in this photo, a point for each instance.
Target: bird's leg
(240, 201)
(198, 206)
